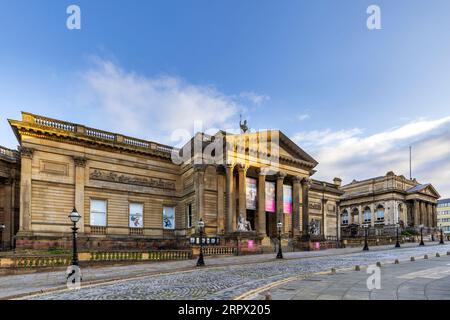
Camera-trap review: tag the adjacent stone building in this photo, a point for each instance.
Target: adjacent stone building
(385, 201)
(133, 193)
(9, 196)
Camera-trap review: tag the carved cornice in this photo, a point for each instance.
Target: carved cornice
(110, 176)
(79, 161)
(26, 152)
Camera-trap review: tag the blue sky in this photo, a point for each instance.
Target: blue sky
(354, 98)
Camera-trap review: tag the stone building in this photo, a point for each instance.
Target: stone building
(9, 197)
(133, 193)
(384, 201)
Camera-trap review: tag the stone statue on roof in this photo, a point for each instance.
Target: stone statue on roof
(243, 125)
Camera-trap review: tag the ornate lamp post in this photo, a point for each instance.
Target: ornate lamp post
(397, 244)
(280, 252)
(421, 236)
(201, 261)
(2, 227)
(366, 234)
(442, 235)
(74, 217)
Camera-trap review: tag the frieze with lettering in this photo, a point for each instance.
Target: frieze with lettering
(110, 176)
(315, 205)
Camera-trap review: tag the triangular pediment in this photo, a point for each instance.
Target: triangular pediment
(427, 189)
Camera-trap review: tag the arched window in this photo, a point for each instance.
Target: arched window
(367, 215)
(380, 213)
(344, 218)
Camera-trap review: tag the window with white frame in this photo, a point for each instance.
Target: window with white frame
(380, 213)
(344, 218)
(98, 212)
(169, 218)
(367, 215)
(136, 215)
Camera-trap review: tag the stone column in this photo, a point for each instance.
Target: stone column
(338, 221)
(262, 204)
(279, 189)
(323, 231)
(229, 193)
(80, 164)
(434, 213)
(360, 215)
(374, 216)
(220, 200)
(199, 185)
(430, 215)
(25, 188)
(350, 217)
(242, 185)
(423, 214)
(416, 213)
(305, 206)
(8, 214)
(296, 200)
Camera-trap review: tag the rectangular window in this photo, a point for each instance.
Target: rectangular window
(98, 213)
(136, 215)
(169, 218)
(189, 215)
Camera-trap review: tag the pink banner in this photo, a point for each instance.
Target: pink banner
(287, 199)
(270, 197)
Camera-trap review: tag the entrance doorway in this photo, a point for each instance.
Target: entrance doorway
(271, 224)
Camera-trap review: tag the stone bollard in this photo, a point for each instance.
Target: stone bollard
(379, 264)
(268, 296)
(448, 253)
(413, 259)
(357, 268)
(396, 261)
(437, 255)
(425, 256)
(333, 271)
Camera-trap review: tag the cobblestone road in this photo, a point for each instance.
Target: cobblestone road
(228, 282)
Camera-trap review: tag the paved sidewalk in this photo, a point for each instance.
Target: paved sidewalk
(28, 283)
(419, 280)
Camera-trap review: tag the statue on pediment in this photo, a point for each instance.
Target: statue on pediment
(243, 125)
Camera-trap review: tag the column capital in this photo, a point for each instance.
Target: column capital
(241, 167)
(26, 152)
(199, 167)
(281, 175)
(79, 161)
(297, 179)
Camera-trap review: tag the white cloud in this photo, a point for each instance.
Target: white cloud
(352, 155)
(303, 117)
(153, 107)
(254, 97)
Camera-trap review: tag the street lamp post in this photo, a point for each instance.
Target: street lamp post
(2, 227)
(397, 244)
(201, 261)
(366, 233)
(421, 236)
(280, 252)
(74, 217)
(442, 235)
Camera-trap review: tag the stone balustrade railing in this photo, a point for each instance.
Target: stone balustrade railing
(8, 154)
(95, 133)
(39, 261)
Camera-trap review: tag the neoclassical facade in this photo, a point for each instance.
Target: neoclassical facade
(134, 193)
(384, 201)
(9, 196)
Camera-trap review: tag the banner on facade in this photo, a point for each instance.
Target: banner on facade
(287, 199)
(270, 197)
(251, 192)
